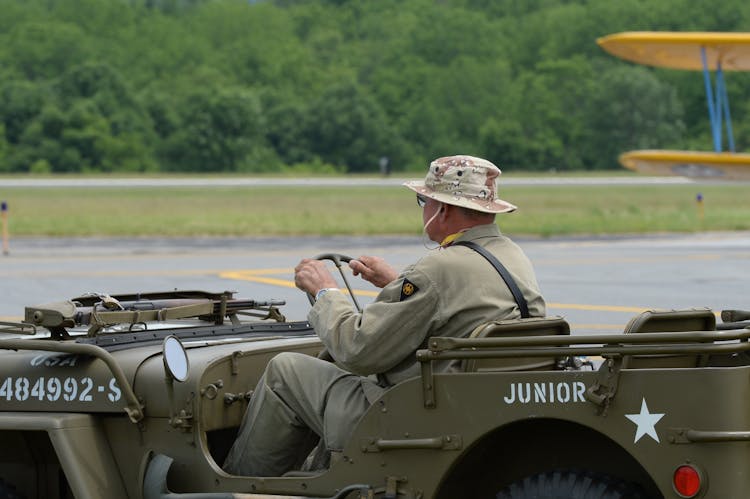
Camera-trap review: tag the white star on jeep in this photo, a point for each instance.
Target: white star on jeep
(645, 422)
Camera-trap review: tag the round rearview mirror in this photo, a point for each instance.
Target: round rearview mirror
(175, 358)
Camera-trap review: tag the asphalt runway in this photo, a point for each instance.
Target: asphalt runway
(596, 284)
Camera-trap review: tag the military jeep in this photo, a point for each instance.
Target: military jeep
(141, 396)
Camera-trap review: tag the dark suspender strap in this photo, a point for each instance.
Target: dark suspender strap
(515, 291)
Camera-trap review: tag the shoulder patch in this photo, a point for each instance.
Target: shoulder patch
(408, 289)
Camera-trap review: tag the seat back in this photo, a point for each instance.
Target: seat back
(532, 326)
(652, 321)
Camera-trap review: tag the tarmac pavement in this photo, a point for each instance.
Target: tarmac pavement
(596, 284)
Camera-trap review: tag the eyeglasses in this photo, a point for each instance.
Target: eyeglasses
(421, 200)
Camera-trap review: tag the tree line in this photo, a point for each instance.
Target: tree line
(336, 85)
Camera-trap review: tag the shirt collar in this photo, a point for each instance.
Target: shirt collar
(476, 232)
(448, 240)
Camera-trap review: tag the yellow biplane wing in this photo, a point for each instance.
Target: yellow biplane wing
(694, 164)
(681, 50)
(696, 51)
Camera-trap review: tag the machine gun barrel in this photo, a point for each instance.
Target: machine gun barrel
(219, 308)
(231, 304)
(110, 311)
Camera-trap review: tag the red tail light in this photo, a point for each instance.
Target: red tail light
(687, 481)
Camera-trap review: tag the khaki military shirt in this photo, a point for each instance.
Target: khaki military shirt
(447, 293)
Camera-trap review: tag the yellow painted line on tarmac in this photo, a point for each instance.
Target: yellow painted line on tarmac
(602, 308)
(615, 260)
(255, 272)
(258, 276)
(109, 273)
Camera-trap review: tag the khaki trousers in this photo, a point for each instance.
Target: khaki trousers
(298, 401)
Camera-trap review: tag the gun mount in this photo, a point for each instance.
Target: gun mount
(99, 311)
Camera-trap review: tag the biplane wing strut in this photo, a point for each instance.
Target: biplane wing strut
(718, 103)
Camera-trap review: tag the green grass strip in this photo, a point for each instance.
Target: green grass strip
(276, 211)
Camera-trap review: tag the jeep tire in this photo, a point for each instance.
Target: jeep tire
(569, 484)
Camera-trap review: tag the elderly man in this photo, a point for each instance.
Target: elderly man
(475, 276)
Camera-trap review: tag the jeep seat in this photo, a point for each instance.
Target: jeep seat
(653, 321)
(533, 326)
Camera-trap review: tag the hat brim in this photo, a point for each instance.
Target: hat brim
(488, 206)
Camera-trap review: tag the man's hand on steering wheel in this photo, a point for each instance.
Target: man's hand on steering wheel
(312, 275)
(373, 269)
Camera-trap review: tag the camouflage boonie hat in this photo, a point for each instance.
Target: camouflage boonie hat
(463, 181)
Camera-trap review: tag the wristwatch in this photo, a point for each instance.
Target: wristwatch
(323, 291)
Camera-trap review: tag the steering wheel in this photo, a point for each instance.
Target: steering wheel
(337, 259)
